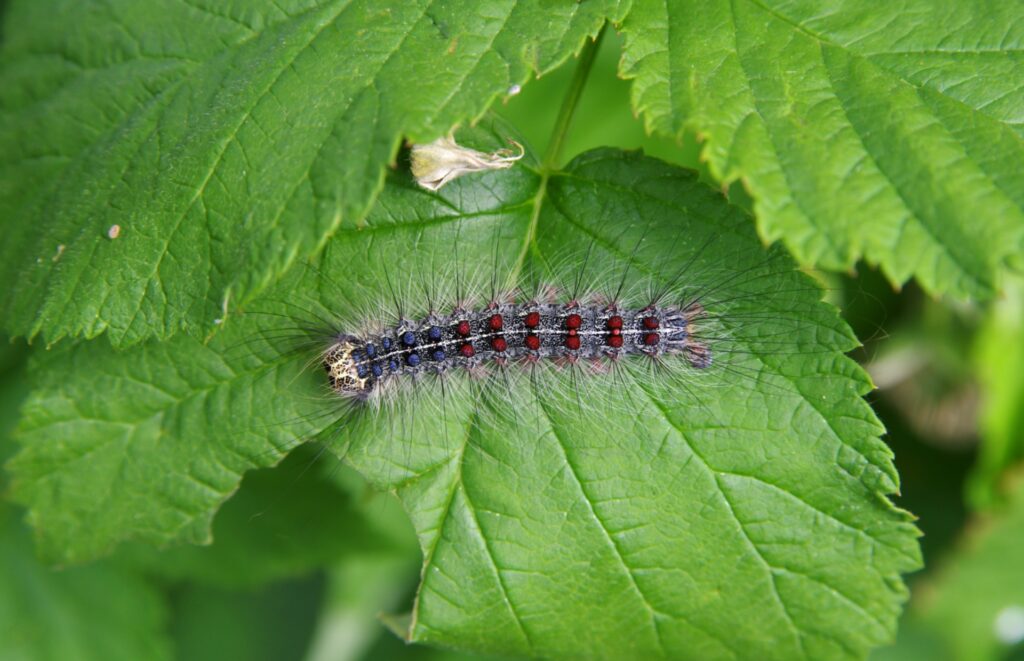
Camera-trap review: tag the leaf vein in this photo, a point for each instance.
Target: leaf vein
(609, 538)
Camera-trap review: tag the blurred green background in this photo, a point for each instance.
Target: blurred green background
(308, 576)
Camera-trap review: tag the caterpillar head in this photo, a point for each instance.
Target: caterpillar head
(345, 364)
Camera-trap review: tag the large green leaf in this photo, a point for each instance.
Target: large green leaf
(226, 140)
(143, 444)
(90, 613)
(739, 511)
(892, 131)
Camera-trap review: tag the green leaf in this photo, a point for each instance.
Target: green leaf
(892, 132)
(975, 604)
(88, 613)
(144, 444)
(100, 612)
(742, 511)
(226, 141)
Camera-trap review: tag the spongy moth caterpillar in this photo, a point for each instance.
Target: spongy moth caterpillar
(359, 367)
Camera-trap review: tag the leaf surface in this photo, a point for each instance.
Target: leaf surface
(91, 613)
(224, 140)
(891, 132)
(737, 512)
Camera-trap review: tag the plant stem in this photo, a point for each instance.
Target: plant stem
(571, 100)
(554, 150)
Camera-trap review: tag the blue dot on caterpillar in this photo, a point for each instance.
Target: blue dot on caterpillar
(509, 332)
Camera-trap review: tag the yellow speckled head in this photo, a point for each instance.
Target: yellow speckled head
(343, 370)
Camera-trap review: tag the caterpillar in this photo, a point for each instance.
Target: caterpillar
(358, 367)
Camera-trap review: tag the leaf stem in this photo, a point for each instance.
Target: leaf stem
(571, 100)
(554, 150)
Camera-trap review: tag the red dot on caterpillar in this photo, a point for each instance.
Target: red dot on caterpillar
(614, 322)
(495, 323)
(532, 342)
(573, 321)
(650, 323)
(572, 342)
(463, 328)
(466, 350)
(651, 339)
(498, 343)
(615, 341)
(532, 320)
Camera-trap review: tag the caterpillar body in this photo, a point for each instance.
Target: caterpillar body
(359, 366)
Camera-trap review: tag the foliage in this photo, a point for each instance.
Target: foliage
(184, 176)
(879, 130)
(187, 123)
